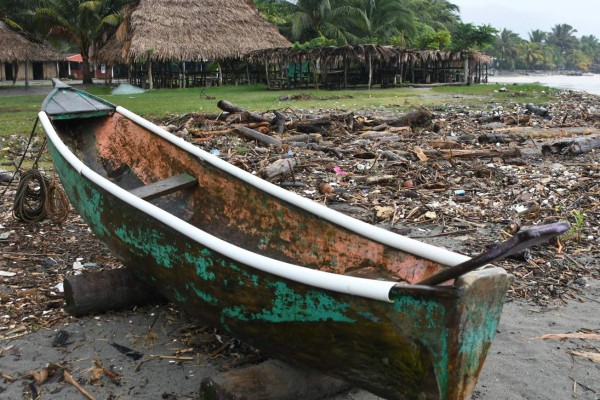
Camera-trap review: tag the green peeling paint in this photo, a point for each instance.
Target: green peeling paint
(150, 242)
(201, 294)
(88, 200)
(429, 316)
(203, 264)
(289, 306)
(179, 297)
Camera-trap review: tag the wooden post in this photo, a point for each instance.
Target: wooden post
(107, 290)
(267, 73)
(345, 72)
(150, 79)
(370, 71)
(466, 69)
(26, 74)
(220, 74)
(183, 82)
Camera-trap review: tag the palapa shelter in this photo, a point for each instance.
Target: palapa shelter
(331, 67)
(167, 31)
(24, 57)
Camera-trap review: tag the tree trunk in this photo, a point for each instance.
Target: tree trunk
(87, 73)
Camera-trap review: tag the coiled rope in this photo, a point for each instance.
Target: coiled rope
(31, 197)
(37, 197)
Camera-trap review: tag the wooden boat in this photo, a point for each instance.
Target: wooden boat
(303, 283)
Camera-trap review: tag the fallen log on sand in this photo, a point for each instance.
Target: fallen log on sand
(109, 290)
(572, 146)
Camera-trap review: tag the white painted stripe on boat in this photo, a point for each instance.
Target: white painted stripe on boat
(427, 251)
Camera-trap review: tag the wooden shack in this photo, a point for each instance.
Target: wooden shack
(368, 65)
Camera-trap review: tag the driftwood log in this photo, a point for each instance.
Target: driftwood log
(234, 109)
(303, 138)
(573, 146)
(321, 125)
(270, 380)
(280, 119)
(420, 117)
(467, 153)
(549, 133)
(102, 291)
(501, 138)
(256, 135)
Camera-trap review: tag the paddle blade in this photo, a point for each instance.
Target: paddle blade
(519, 242)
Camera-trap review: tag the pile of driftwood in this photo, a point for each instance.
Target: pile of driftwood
(456, 178)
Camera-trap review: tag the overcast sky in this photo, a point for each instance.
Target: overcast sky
(523, 16)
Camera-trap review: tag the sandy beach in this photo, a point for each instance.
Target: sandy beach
(519, 364)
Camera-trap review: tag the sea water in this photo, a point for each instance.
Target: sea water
(588, 83)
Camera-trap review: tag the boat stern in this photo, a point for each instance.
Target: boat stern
(478, 312)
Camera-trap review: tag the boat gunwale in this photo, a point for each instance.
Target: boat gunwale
(369, 288)
(364, 287)
(430, 252)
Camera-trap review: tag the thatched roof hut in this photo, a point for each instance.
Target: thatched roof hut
(17, 46)
(435, 66)
(190, 30)
(361, 53)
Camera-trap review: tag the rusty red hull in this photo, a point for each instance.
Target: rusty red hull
(242, 258)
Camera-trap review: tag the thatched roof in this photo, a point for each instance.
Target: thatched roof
(18, 46)
(190, 30)
(360, 53)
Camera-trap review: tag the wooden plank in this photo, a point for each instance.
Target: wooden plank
(164, 187)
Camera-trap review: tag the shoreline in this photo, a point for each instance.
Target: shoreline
(582, 83)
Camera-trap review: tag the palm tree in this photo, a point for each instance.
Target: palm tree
(19, 12)
(537, 36)
(378, 21)
(80, 22)
(590, 45)
(507, 46)
(315, 18)
(563, 37)
(438, 14)
(532, 54)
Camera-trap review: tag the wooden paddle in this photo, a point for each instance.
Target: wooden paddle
(519, 242)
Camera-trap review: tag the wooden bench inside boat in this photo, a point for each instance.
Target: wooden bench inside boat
(166, 186)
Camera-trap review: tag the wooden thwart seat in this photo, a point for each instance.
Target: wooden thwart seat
(166, 186)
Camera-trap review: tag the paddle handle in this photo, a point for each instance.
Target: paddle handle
(519, 242)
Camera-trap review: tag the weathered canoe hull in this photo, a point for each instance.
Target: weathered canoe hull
(425, 343)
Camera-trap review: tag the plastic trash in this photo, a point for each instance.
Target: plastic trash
(541, 111)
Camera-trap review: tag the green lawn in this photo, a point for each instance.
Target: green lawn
(17, 113)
